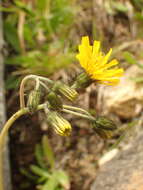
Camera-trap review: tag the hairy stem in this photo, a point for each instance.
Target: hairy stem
(79, 114)
(76, 109)
(23, 82)
(21, 91)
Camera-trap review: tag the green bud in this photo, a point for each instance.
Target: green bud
(55, 101)
(33, 100)
(105, 134)
(104, 127)
(82, 81)
(65, 90)
(61, 126)
(105, 123)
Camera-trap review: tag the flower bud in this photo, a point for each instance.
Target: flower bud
(82, 81)
(105, 123)
(63, 89)
(105, 134)
(33, 100)
(54, 100)
(104, 127)
(61, 126)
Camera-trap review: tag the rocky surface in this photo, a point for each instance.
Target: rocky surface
(125, 99)
(124, 171)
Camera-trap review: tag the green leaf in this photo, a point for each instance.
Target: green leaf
(139, 65)
(139, 16)
(129, 58)
(28, 174)
(11, 36)
(23, 6)
(62, 178)
(12, 82)
(138, 79)
(119, 6)
(41, 180)
(51, 184)
(11, 9)
(39, 171)
(40, 156)
(47, 150)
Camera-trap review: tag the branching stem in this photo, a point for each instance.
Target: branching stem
(23, 82)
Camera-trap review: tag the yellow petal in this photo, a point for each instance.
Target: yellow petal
(105, 59)
(85, 41)
(96, 47)
(111, 63)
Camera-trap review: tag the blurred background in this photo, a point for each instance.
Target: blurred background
(41, 37)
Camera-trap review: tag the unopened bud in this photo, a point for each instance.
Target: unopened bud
(55, 101)
(104, 127)
(33, 100)
(105, 123)
(105, 134)
(82, 81)
(63, 89)
(61, 126)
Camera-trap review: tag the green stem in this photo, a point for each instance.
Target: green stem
(21, 91)
(79, 114)
(12, 119)
(45, 79)
(2, 141)
(9, 123)
(23, 82)
(45, 86)
(76, 109)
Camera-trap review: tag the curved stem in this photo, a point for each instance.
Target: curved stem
(23, 82)
(44, 85)
(9, 123)
(21, 91)
(3, 134)
(2, 141)
(46, 79)
(12, 119)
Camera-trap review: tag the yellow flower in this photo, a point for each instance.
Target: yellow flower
(96, 64)
(61, 125)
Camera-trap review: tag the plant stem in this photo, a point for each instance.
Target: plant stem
(9, 123)
(76, 109)
(46, 79)
(23, 82)
(79, 114)
(2, 141)
(12, 119)
(21, 91)
(45, 86)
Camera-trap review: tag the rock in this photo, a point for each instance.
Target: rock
(124, 171)
(125, 99)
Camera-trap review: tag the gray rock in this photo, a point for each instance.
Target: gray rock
(124, 171)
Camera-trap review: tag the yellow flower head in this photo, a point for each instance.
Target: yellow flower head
(61, 125)
(96, 63)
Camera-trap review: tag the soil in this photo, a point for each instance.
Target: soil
(77, 154)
